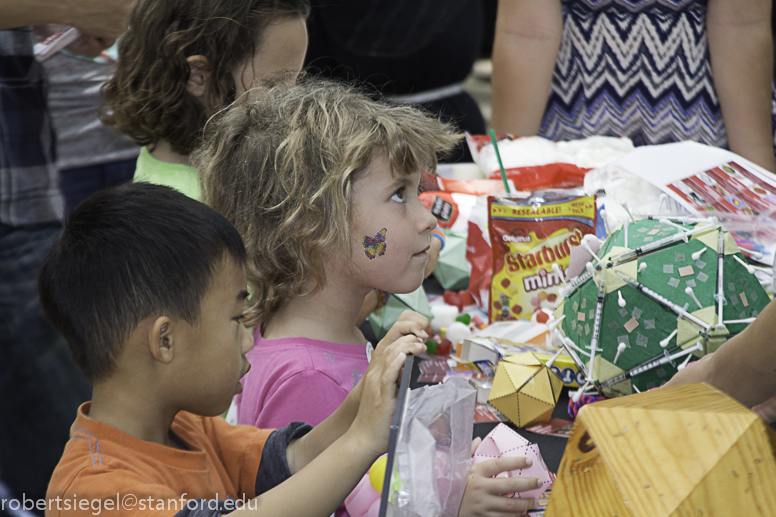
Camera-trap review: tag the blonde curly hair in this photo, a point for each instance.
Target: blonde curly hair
(281, 168)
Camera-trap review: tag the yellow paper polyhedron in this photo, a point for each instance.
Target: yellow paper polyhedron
(524, 389)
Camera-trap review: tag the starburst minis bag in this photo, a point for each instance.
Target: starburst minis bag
(527, 237)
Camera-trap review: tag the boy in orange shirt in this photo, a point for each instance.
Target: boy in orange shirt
(147, 286)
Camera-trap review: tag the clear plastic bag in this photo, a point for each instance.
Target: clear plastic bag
(433, 454)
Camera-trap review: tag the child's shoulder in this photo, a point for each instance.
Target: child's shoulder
(100, 461)
(288, 357)
(91, 469)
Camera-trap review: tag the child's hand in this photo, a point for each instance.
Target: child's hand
(371, 425)
(485, 495)
(409, 322)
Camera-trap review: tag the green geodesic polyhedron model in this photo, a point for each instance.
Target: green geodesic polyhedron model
(660, 302)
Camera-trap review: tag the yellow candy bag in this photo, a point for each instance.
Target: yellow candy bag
(527, 237)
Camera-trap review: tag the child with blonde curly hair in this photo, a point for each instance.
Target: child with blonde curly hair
(322, 183)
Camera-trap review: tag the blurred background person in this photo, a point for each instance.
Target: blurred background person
(90, 155)
(40, 387)
(408, 52)
(567, 69)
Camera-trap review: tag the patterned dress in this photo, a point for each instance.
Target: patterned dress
(635, 68)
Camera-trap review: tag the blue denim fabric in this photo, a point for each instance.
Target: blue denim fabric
(79, 183)
(28, 175)
(40, 386)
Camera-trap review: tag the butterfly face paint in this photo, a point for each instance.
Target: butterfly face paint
(375, 246)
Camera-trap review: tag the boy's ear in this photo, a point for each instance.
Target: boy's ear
(199, 73)
(161, 339)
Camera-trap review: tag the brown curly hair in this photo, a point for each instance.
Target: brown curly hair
(281, 168)
(147, 98)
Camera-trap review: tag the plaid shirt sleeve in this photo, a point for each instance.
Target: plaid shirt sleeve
(29, 190)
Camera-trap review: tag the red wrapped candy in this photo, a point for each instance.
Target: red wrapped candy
(466, 297)
(444, 347)
(451, 298)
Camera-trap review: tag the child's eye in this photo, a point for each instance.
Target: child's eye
(240, 318)
(398, 196)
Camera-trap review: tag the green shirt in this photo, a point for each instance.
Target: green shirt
(180, 177)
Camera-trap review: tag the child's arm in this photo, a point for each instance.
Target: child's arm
(410, 325)
(325, 474)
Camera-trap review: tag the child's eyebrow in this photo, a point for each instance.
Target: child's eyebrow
(242, 296)
(402, 181)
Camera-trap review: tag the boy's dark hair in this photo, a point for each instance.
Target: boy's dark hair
(125, 254)
(147, 98)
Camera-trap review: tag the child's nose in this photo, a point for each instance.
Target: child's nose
(427, 221)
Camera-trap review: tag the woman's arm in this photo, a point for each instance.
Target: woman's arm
(740, 45)
(744, 367)
(99, 18)
(528, 34)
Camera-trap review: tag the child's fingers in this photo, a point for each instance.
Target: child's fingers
(496, 466)
(410, 322)
(509, 505)
(410, 315)
(394, 356)
(407, 344)
(507, 486)
(476, 443)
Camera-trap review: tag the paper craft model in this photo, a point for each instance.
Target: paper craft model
(668, 290)
(383, 318)
(524, 389)
(452, 271)
(683, 450)
(503, 442)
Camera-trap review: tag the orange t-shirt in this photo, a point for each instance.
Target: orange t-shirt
(105, 469)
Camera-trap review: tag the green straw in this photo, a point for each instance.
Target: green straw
(500, 164)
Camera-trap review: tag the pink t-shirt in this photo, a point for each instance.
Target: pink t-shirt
(297, 380)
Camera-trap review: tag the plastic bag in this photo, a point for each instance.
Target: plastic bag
(478, 254)
(527, 238)
(535, 163)
(433, 454)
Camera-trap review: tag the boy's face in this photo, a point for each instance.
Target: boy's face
(390, 229)
(282, 51)
(214, 349)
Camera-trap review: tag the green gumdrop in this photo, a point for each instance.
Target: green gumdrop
(431, 346)
(396, 484)
(464, 318)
